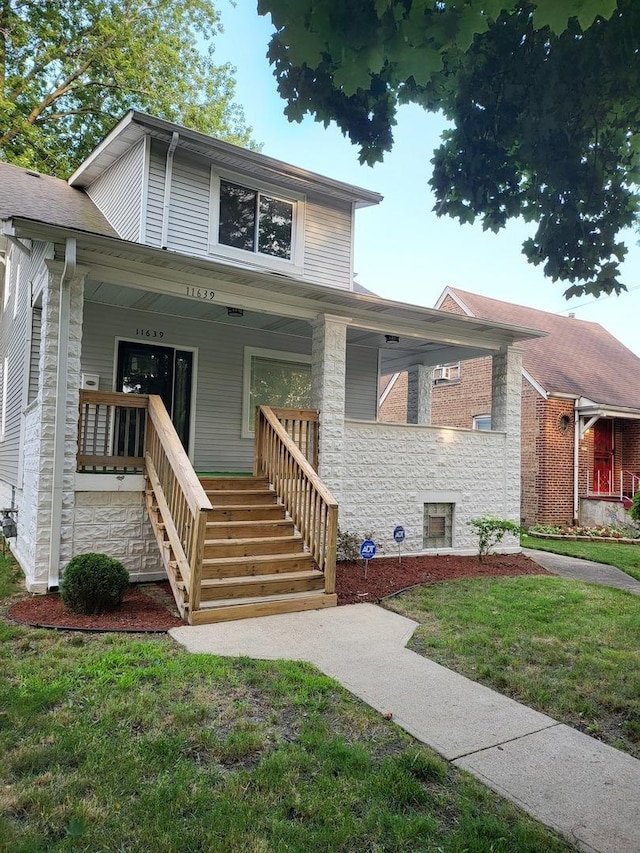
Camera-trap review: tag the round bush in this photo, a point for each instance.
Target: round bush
(93, 583)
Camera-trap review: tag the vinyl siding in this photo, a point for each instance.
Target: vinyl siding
(118, 193)
(13, 337)
(327, 225)
(218, 445)
(327, 250)
(361, 383)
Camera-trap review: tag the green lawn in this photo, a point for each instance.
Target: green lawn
(625, 557)
(115, 742)
(563, 647)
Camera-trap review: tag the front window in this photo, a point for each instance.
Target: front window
(255, 221)
(273, 378)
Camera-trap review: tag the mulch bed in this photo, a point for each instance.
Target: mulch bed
(150, 607)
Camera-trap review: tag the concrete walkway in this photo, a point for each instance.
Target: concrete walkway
(586, 790)
(584, 570)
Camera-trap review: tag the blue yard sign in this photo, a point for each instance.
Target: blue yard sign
(368, 549)
(398, 534)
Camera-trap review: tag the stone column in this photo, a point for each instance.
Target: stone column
(419, 385)
(506, 405)
(43, 486)
(328, 368)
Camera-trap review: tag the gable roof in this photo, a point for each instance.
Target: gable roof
(576, 357)
(30, 195)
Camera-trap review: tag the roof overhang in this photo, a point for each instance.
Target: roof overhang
(588, 409)
(135, 126)
(426, 336)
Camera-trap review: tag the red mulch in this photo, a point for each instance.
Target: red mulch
(386, 576)
(145, 607)
(150, 607)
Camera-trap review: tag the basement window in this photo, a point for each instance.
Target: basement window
(438, 525)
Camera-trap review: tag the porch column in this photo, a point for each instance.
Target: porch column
(419, 385)
(58, 393)
(328, 368)
(506, 405)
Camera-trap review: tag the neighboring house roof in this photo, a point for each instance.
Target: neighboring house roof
(30, 195)
(576, 357)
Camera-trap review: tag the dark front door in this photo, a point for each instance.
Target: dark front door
(603, 456)
(165, 371)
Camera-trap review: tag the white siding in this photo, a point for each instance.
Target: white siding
(189, 212)
(327, 225)
(13, 336)
(361, 383)
(155, 196)
(118, 193)
(327, 251)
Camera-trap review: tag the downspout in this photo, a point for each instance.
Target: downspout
(59, 425)
(168, 177)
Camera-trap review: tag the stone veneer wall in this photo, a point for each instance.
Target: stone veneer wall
(391, 470)
(116, 523)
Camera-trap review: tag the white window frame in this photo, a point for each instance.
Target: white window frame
(276, 355)
(7, 280)
(5, 395)
(478, 418)
(17, 290)
(293, 265)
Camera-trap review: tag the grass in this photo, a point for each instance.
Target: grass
(113, 743)
(625, 557)
(565, 648)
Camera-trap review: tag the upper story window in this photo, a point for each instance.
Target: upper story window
(256, 223)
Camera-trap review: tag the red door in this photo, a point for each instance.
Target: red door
(603, 456)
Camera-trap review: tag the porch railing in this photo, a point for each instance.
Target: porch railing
(599, 484)
(111, 432)
(303, 426)
(181, 503)
(311, 506)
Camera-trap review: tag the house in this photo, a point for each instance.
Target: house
(189, 379)
(580, 411)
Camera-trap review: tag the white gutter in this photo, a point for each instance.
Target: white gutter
(68, 273)
(580, 428)
(168, 177)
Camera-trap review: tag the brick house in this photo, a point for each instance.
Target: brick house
(580, 410)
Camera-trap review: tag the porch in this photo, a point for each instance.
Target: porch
(231, 547)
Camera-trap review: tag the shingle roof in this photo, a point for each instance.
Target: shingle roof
(576, 357)
(30, 195)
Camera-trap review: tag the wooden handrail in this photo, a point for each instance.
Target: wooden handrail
(111, 431)
(303, 426)
(310, 504)
(181, 501)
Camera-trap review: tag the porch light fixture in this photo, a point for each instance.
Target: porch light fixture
(392, 339)
(235, 312)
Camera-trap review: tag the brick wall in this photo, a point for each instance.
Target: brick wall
(555, 460)
(394, 407)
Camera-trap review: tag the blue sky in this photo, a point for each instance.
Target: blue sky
(403, 250)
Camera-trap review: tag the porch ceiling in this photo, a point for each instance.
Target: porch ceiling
(141, 277)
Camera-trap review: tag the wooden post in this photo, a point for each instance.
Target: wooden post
(195, 559)
(330, 545)
(257, 445)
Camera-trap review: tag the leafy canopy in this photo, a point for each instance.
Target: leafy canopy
(68, 69)
(543, 97)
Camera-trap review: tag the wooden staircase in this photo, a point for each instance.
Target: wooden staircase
(254, 562)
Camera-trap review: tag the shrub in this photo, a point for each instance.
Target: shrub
(491, 531)
(634, 509)
(93, 583)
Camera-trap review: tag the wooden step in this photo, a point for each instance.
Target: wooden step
(249, 529)
(261, 585)
(252, 546)
(251, 497)
(268, 564)
(229, 609)
(234, 483)
(247, 513)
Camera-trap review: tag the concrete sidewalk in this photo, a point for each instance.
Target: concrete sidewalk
(588, 791)
(584, 570)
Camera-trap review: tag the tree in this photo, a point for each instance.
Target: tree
(69, 69)
(543, 96)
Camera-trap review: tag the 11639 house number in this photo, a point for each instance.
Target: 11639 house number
(149, 333)
(200, 292)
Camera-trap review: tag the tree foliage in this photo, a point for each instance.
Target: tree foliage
(69, 69)
(543, 96)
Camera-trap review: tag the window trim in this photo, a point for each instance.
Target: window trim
(5, 399)
(297, 200)
(477, 418)
(260, 352)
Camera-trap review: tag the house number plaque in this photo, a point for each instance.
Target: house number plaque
(200, 292)
(149, 333)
